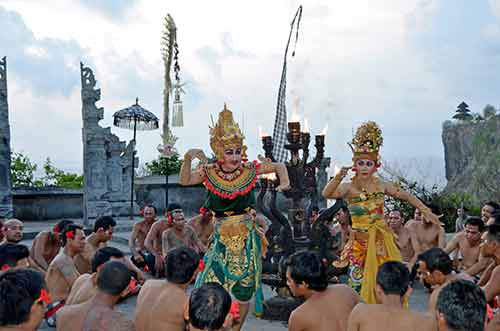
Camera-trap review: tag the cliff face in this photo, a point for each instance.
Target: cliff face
(472, 158)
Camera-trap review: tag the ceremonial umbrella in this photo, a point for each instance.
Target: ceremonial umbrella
(135, 118)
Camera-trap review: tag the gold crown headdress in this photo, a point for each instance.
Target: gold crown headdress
(367, 142)
(226, 134)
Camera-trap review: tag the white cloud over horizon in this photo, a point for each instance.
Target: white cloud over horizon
(404, 64)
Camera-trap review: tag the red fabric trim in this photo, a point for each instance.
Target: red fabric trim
(54, 310)
(233, 195)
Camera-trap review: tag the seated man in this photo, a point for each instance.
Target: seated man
(103, 232)
(467, 244)
(23, 300)
(62, 272)
(153, 242)
(208, 308)
(203, 226)
(425, 235)
(85, 287)
(461, 306)
(180, 235)
(417, 218)
(392, 291)
(46, 246)
(436, 269)
(13, 256)
(99, 312)
(402, 236)
(12, 231)
(160, 305)
(325, 308)
(488, 209)
(140, 257)
(490, 248)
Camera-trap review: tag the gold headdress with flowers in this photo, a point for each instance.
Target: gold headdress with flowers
(367, 142)
(226, 134)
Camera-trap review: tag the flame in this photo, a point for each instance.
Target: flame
(325, 130)
(295, 116)
(270, 176)
(306, 125)
(336, 170)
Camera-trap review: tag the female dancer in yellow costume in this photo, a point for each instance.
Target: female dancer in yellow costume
(372, 242)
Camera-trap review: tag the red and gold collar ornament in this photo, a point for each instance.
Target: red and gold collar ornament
(70, 235)
(231, 189)
(235, 309)
(44, 297)
(5, 267)
(201, 265)
(56, 229)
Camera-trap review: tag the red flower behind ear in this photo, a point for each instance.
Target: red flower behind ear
(56, 229)
(201, 265)
(70, 235)
(44, 296)
(235, 309)
(203, 210)
(5, 267)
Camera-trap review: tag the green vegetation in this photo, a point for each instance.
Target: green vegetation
(164, 166)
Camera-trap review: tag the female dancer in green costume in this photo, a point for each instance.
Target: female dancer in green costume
(234, 257)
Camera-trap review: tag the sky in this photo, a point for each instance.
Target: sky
(404, 64)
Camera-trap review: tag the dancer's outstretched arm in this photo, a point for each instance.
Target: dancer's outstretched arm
(187, 176)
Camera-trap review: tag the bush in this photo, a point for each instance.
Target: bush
(164, 166)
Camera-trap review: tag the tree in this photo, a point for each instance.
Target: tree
(489, 111)
(21, 170)
(59, 178)
(164, 166)
(463, 112)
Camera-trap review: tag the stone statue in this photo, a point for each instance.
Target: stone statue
(107, 161)
(5, 180)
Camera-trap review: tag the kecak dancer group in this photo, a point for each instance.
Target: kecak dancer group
(235, 255)
(372, 242)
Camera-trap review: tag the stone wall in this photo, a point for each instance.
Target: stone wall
(5, 180)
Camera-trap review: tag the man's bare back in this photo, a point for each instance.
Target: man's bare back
(153, 239)
(91, 317)
(160, 306)
(83, 289)
(380, 317)
(83, 261)
(60, 276)
(44, 249)
(203, 229)
(325, 311)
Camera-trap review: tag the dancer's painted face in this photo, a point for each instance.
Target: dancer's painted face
(232, 159)
(365, 167)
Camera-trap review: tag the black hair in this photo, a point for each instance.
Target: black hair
(209, 306)
(496, 216)
(494, 232)
(19, 289)
(493, 204)
(475, 221)
(103, 255)
(62, 224)
(70, 227)
(437, 259)
(11, 253)
(396, 211)
(181, 264)
(394, 278)
(104, 222)
(173, 206)
(150, 206)
(113, 278)
(307, 267)
(463, 305)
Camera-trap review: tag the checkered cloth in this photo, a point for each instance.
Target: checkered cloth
(280, 122)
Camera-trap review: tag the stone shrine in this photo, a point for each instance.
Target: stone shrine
(107, 161)
(5, 180)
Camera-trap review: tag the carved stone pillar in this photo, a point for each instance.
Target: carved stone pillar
(6, 210)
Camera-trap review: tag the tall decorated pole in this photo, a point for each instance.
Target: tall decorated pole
(170, 53)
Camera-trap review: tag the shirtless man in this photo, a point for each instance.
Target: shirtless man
(488, 209)
(140, 256)
(461, 306)
(490, 248)
(23, 300)
(203, 226)
(425, 235)
(62, 272)
(153, 242)
(13, 256)
(402, 236)
(180, 235)
(103, 232)
(85, 287)
(417, 218)
(46, 246)
(435, 267)
(467, 244)
(342, 228)
(390, 314)
(160, 305)
(99, 312)
(325, 308)
(12, 231)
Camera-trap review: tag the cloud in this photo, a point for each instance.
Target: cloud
(115, 9)
(46, 66)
